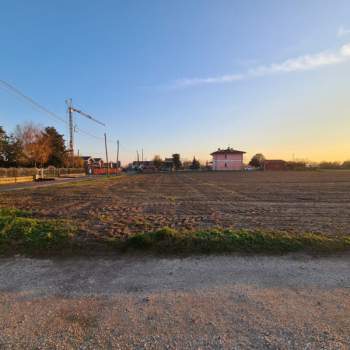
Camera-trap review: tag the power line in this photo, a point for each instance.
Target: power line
(88, 134)
(31, 101)
(13, 89)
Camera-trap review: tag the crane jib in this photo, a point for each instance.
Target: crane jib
(87, 116)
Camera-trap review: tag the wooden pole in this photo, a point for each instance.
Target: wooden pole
(117, 165)
(106, 154)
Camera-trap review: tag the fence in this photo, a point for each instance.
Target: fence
(17, 172)
(57, 172)
(48, 172)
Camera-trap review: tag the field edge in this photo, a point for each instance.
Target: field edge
(20, 233)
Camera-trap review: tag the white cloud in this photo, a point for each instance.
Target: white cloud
(210, 80)
(302, 63)
(343, 31)
(345, 50)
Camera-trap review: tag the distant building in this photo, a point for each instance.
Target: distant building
(227, 159)
(142, 163)
(90, 162)
(275, 164)
(168, 164)
(145, 166)
(86, 159)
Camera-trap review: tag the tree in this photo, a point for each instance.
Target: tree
(177, 161)
(78, 162)
(157, 161)
(56, 142)
(3, 146)
(195, 164)
(35, 145)
(10, 149)
(257, 160)
(330, 165)
(13, 151)
(346, 164)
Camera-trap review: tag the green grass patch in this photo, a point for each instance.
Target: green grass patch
(19, 232)
(225, 241)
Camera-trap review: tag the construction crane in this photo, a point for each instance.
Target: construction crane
(71, 109)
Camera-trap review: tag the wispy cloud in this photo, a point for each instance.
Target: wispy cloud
(301, 63)
(211, 80)
(343, 31)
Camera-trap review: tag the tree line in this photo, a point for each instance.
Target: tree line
(31, 145)
(258, 160)
(177, 162)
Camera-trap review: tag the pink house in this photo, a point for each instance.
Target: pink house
(227, 159)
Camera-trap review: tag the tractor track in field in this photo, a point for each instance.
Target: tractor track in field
(287, 201)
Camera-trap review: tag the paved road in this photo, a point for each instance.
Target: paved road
(142, 302)
(24, 185)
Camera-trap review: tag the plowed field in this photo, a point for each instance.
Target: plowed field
(289, 201)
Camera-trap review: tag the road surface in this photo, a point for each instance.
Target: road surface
(144, 302)
(33, 184)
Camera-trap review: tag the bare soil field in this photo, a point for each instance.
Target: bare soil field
(289, 201)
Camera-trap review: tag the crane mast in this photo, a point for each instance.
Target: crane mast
(71, 109)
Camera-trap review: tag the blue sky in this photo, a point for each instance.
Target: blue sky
(185, 76)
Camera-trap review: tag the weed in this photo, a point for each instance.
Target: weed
(20, 232)
(211, 241)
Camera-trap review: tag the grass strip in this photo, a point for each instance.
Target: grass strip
(20, 233)
(225, 241)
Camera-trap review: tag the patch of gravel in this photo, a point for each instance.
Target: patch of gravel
(83, 276)
(205, 302)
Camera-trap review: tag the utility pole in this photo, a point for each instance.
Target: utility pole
(142, 155)
(138, 157)
(117, 154)
(78, 159)
(72, 109)
(106, 154)
(71, 129)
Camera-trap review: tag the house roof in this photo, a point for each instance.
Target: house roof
(227, 151)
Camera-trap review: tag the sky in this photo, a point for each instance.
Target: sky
(182, 76)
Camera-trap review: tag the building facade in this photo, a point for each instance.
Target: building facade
(227, 159)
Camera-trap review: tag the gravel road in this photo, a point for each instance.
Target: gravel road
(144, 302)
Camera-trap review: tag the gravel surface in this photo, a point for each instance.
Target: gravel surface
(144, 302)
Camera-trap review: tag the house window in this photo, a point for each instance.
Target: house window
(225, 165)
(225, 156)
